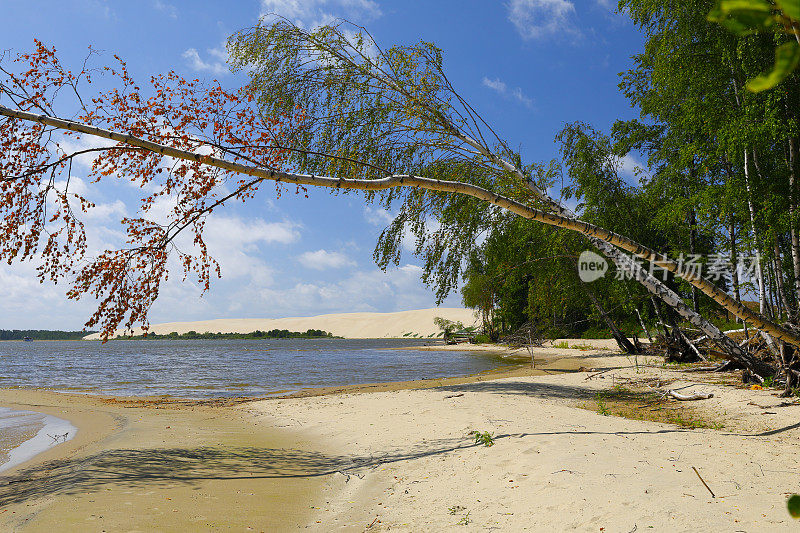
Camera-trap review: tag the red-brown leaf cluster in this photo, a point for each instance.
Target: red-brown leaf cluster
(40, 215)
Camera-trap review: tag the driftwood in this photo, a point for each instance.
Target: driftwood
(692, 346)
(689, 397)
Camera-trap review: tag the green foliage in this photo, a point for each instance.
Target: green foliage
(742, 17)
(448, 326)
(358, 110)
(787, 57)
(793, 505)
(482, 339)
(485, 438)
(746, 17)
(601, 405)
(271, 334)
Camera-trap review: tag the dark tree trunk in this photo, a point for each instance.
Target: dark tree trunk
(622, 340)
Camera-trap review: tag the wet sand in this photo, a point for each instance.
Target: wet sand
(153, 465)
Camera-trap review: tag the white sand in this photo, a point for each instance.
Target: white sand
(406, 460)
(348, 325)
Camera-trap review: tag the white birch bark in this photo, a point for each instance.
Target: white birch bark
(795, 241)
(751, 209)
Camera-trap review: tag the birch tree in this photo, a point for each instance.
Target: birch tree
(330, 109)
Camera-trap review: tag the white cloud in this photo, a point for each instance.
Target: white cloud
(217, 68)
(168, 9)
(100, 7)
(502, 89)
(395, 290)
(495, 85)
(537, 19)
(314, 13)
(377, 216)
(629, 166)
(237, 232)
(325, 260)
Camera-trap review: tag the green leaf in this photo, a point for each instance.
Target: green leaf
(729, 6)
(793, 504)
(790, 8)
(742, 16)
(787, 56)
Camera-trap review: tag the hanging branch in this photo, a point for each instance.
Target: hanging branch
(394, 181)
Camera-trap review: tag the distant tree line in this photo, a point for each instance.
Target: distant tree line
(42, 334)
(257, 334)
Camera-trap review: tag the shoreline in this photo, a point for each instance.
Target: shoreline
(399, 456)
(516, 366)
(413, 464)
(26, 442)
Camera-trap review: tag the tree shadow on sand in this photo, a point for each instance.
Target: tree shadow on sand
(551, 391)
(161, 467)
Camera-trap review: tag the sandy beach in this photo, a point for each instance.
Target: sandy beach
(400, 457)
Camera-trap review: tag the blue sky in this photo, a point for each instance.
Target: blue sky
(528, 66)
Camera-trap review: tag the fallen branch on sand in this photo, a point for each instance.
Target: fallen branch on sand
(703, 482)
(689, 397)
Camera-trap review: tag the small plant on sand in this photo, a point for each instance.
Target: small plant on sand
(464, 520)
(561, 345)
(601, 405)
(582, 347)
(485, 438)
(456, 509)
(769, 382)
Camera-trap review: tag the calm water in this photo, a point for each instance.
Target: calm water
(209, 368)
(23, 434)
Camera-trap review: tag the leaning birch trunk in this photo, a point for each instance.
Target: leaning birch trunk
(644, 327)
(605, 238)
(622, 261)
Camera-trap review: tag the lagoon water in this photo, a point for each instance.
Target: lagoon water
(225, 368)
(23, 434)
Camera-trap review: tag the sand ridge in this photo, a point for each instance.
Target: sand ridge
(347, 325)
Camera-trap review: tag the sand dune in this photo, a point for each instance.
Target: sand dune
(348, 325)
